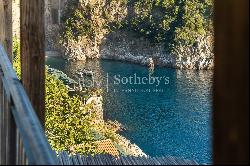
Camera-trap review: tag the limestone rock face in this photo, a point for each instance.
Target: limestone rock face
(126, 46)
(199, 57)
(53, 12)
(101, 13)
(121, 44)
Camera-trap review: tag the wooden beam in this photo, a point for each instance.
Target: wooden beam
(9, 120)
(2, 21)
(231, 82)
(35, 143)
(6, 25)
(7, 125)
(2, 35)
(33, 53)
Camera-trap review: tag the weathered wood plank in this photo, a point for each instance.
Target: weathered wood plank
(99, 161)
(143, 160)
(177, 161)
(192, 162)
(65, 161)
(71, 160)
(80, 160)
(156, 162)
(7, 124)
(33, 53)
(160, 160)
(151, 160)
(3, 130)
(7, 5)
(18, 147)
(75, 160)
(6, 132)
(131, 159)
(66, 158)
(11, 136)
(37, 148)
(181, 161)
(2, 23)
(106, 159)
(96, 159)
(125, 160)
(136, 160)
(112, 159)
(168, 161)
(60, 157)
(84, 160)
(90, 160)
(1, 117)
(60, 161)
(117, 161)
(148, 160)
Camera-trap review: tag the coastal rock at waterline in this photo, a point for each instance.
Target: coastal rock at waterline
(127, 57)
(199, 57)
(74, 52)
(124, 46)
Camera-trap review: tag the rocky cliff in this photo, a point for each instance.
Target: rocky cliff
(127, 46)
(107, 42)
(121, 30)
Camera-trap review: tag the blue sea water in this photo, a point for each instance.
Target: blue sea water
(170, 117)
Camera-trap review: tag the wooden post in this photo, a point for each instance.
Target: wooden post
(6, 25)
(7, 127)
(2, 21)
(33, 53)
(2, 36)
(231, 82)
(9, 119)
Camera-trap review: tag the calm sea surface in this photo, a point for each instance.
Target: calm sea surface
(167, 112)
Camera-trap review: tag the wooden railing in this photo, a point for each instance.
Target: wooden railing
(22, 138)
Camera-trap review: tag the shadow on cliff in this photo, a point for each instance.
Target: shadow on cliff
(125, 44)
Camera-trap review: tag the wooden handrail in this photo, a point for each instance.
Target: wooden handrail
(35, 143)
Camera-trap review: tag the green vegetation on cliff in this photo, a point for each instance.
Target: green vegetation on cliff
(69, 122)
(90, 19)
(173, 22)
(86, 24)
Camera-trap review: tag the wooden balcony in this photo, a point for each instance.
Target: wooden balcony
(22, 136)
